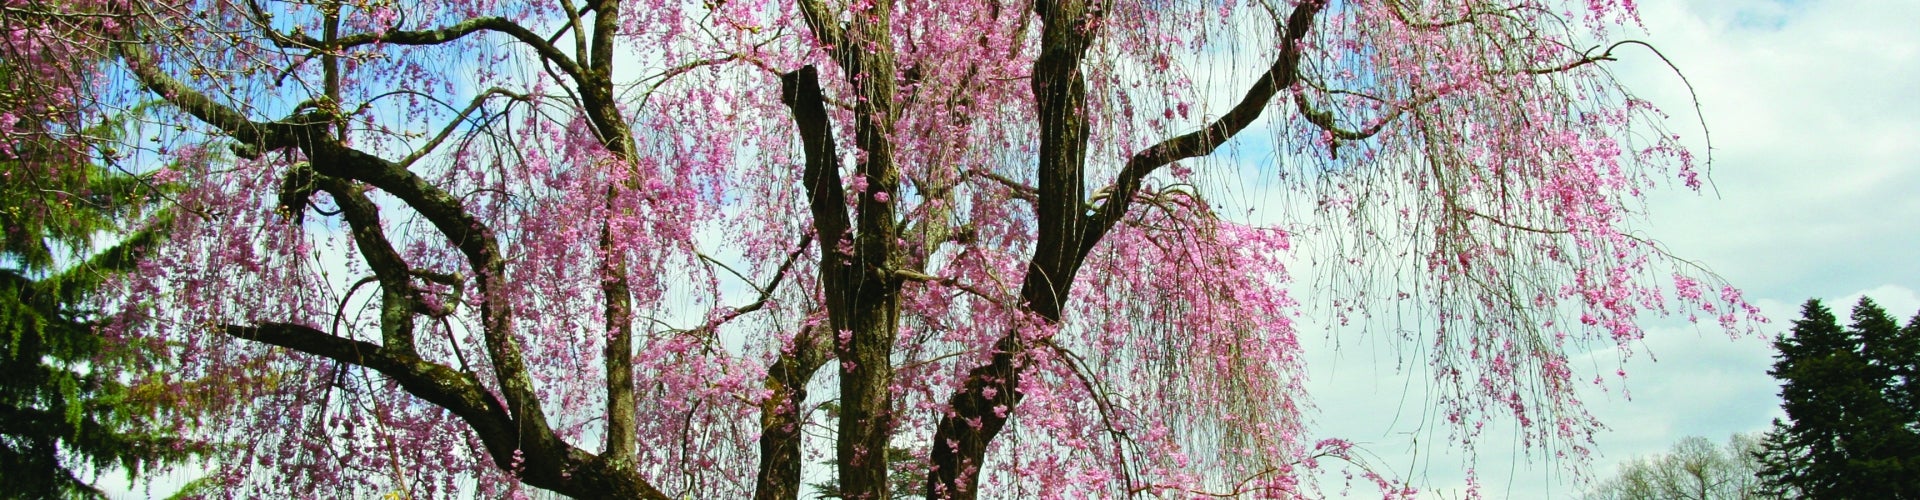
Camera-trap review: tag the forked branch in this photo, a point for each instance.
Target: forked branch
(1284, 73)
(549, 460)
(436, 36)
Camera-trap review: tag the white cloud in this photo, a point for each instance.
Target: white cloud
(1899, 301)
(1814, 158)
(1816, 167)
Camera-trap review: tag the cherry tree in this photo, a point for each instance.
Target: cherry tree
(683, 249)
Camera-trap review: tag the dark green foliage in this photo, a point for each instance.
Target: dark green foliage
(1903, 359)
(905, 476)
(1851, 431)
(72, 401)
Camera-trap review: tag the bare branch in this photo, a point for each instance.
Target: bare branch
(766, 292)
(399, 298)
(254, 136)
(548, 464)
(574, 25)
(442, 35)
(1284, 74)
(478, 101)
(1020, 191)
(948, 281)
(1324, 119)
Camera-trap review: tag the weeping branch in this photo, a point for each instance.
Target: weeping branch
(979, 410)
(516, 424)
(1283, 75)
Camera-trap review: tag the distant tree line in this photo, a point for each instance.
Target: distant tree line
(1852, 398)
(1695, 469)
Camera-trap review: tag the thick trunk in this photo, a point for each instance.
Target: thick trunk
(603, 111)
(872, 321)
(979, 411)
(783, 415)
(1068, 230)
(619, 447)
(866, 413)
(861, 290)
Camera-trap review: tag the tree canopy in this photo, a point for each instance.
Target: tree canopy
(1848, 393)
(628, 249)
(1695, 469)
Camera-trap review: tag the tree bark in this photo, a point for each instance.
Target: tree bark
(1068, 230)
(783, 415)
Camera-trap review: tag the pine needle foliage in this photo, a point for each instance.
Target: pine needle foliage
(72, 402)
(1850, 430)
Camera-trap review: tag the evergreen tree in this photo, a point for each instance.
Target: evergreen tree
(1903, 356)
(71, 401)
(1888, 450)
(1848, 432)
